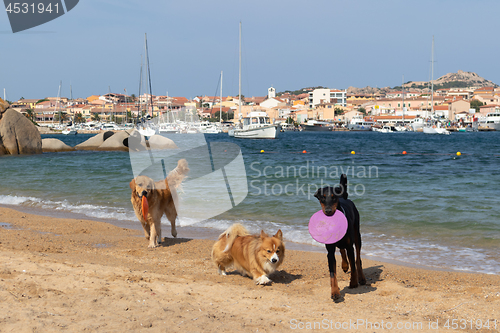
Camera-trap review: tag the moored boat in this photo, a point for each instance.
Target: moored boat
(316, 126)
(257, 125)
(358, 123)
(491, 121)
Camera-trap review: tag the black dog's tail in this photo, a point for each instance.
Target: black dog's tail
(342, 189)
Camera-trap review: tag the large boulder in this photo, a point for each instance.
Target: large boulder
(95, 142)
(3, 106)
(55, 145)
(18, 135)
(118, 141)
(161, 142)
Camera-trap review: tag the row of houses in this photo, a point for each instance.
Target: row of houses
(321, 103)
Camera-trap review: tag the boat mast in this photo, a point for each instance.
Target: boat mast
(403, 88)
(148, 72)
(239, 81)
(220, 102)
(432, 78)
(57, 102)
(139, 105)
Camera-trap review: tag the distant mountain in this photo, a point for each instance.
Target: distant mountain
(460, 79)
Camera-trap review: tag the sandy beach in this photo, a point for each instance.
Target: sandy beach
(79, 275)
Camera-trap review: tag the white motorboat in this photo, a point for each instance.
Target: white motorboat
(316, 126)
(69, 131)
(492, 120)
(417, 124)
(146, 130)
(257, 125)
(358, 123)
(168, 128)
(209, 128)
(435, 128)
(387, 129)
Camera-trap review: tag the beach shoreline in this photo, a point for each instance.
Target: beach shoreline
(80, 274)
(205, 233)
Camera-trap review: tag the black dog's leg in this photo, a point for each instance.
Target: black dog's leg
(345, 263)
(332, 266)
(354, 275)
(359, 266)
(358, 243)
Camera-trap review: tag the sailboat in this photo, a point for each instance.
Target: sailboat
(435, 126)
(256, 125)
(145, 128)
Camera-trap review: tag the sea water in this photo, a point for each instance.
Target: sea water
(428, 207)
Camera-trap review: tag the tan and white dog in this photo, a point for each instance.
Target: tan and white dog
(256, 256)
(152, 199)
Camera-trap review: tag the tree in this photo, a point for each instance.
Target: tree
(337, 111)
(78, 119)
(225, 116)
(133, 98)
(362, 110)
(30, 114)
(95, 116)
(475, 104)
(61, 117)
(130, 117)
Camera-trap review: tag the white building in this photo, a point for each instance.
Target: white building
(273, 102)
(271, 92)
(322, 96)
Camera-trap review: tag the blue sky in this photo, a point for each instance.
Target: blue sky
(287, 44)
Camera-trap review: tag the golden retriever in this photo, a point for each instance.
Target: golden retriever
(256, 256)
(153, 199)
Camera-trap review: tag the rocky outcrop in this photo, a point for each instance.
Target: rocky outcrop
(118, 141)
(125, 141)
(18, 135)
(55, 145)
(161, 142)
(95, 142)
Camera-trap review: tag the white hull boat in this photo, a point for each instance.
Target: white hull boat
(435, 129)
(257, 126)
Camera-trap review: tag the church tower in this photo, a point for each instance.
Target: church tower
(271, 92)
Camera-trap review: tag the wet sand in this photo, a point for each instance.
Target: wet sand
(61, 274)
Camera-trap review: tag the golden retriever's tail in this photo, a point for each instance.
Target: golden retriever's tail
(234, 231)
(176, 176)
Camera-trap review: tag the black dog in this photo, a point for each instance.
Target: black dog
(332, 199)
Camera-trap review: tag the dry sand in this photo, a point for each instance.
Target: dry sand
(82, 276)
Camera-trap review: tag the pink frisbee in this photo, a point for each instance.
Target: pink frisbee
(328, 229)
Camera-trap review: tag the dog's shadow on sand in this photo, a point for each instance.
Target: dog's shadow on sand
(167, 241)
(278, 277)
(283, 277)
(372, 275)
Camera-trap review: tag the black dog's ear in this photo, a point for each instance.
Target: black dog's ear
(318, 193)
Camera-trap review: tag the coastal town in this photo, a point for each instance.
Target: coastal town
(319, 107)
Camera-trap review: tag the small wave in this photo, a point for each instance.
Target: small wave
(93, 211)
(383, 246)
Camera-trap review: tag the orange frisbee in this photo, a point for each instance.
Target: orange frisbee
(145, 207)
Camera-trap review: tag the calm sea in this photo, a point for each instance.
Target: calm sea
(427, 207)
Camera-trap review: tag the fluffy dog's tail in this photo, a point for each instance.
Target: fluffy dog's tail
(176, 176)
(234, 231)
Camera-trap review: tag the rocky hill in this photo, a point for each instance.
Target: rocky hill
(460, 79)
